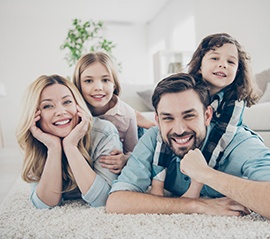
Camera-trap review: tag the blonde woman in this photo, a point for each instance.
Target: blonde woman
(62, 144)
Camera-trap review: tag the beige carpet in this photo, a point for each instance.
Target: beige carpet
(19, 219)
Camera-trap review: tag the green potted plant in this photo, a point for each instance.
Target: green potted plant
(86, 37)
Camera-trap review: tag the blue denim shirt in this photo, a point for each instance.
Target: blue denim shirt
(246, 156)
(104, 138)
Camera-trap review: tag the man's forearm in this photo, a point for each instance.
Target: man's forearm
(252, 194)
(134, 203)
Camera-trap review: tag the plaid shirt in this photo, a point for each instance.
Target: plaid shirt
(227, 117)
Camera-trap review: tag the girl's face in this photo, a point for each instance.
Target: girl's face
(97, 86)
(219, 67)
(58, 110)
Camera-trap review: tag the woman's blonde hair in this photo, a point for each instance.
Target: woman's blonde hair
(35, 152)
(90, 58)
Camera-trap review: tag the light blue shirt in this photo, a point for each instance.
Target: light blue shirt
(104, 138)
(246, 156)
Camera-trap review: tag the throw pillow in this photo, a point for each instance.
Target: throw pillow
(266, 94)
(262, 79)
(146, 97)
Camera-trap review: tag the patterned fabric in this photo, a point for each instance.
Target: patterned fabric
(227, 116)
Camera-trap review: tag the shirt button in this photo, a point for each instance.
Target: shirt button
(186, 178)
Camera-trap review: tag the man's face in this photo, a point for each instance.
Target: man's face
(182, 121)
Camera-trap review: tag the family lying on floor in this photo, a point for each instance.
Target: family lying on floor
(80, 141)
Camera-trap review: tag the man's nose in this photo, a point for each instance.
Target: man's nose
(179, 127)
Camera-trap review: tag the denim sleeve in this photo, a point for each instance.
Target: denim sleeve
(137, 174)
(36, 200)
(105, 138)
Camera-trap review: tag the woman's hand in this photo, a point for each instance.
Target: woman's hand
(79, 130)
(47, 139)
(115, 161)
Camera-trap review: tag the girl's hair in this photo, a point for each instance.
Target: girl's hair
(181, 82)
(243, 87)
(90, 58)
(35, 152)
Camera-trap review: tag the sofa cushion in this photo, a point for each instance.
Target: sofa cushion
(263, 79)
(146, 97)
(266, 94)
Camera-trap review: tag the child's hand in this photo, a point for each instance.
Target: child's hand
(47, 139)
(115, 161)
(79, 130)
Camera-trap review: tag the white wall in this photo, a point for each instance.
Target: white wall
(32, 32)
(31, 35)
(183, 24)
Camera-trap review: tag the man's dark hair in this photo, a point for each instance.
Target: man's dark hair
(178, 83)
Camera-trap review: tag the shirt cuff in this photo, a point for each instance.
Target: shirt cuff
(98, 193)
(37, 202)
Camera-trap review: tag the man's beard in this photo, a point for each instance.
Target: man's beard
(181, 151)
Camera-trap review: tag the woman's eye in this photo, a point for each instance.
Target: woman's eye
(231, 62)
(214, 58)
(46, 107)
(67, 102)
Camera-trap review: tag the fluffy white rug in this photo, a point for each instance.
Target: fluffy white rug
(19, 219)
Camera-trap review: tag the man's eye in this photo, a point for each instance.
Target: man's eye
(167, 118)
(190, 116)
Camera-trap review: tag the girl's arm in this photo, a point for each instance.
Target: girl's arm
(48, 191)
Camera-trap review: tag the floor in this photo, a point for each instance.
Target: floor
(10, 166)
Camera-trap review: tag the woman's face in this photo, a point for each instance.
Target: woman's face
(58, 110)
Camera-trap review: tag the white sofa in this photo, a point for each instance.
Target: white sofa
(256, 117)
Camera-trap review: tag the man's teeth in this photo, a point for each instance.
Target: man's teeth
(182, 140)
(61, 122)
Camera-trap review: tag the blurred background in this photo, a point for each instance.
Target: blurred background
(145, 32)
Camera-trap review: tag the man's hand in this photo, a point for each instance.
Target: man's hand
(115, 161)
(194, 165)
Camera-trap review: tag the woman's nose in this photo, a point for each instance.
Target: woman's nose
(60, 110)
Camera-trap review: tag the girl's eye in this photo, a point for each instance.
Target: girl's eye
(106, 80)
(88, 81)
